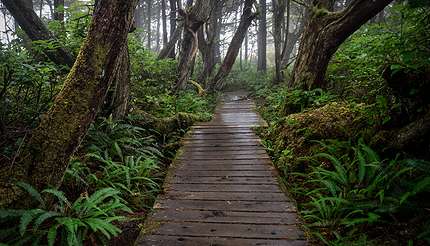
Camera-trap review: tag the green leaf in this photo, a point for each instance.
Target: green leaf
(26, 218)
(42, 218)
(52, 235)
(32, 191)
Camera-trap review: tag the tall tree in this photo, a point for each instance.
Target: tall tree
(148, 23)
(262, 37)
(158, 37)
(46, 155)
(324, 33)
(33, 26)
(279, 7)
(174, 34)
(194, 17)
(245, 21)
(164, 22)
(208, 40)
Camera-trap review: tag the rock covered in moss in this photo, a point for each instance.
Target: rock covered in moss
(296, 134)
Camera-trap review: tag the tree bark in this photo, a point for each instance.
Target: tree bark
(118, 97)
(46, 155)
(293, 38)
(174, 34)
(164, 22)
(148, 23)
(158, 37)
(194, 18)
(245, 21)
(262, 38)
(208, 39)
(279, 7)
(169, 50)
(324, 33)
(33, 26)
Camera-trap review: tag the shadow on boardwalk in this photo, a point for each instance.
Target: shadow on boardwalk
(222, 189)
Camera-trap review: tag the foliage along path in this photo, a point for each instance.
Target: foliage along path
(222, 188)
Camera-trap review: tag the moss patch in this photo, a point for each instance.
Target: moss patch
(296, 134)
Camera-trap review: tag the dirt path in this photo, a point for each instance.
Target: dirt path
(222, 189)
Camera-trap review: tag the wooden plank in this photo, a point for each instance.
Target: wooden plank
(194, 152)
(224, 187)
(262, 218)
(223, 180)
(227, 158)
(163, 240)
(229, 230)
(220, 141)
(197, 148)
(227, 196)
(229, 162)
(189, 156)
(226, 167)
(257, 173)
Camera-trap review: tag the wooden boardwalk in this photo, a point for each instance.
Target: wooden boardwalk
(222, 189)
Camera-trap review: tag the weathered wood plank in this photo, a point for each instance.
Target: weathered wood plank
(227, 196)
(229, 230)
(163, 240)
(224, 187)
(262, 218)
(244, 206)
(256, 173)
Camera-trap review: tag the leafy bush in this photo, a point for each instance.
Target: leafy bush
(56, 220)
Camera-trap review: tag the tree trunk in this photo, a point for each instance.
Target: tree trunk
(324, 33)
(169, 50)
(174, 34)
(262, 38)
(279, 7)
(158, 37)
(208, 40)
(164, 22)
(194, 18)
(245, 21)
(33, 26)
(292, 39)
(118, 98)
(148, 23)
(46, 155)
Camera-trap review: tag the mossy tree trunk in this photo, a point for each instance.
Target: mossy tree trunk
(324, 33)
(46, 155)
(233, 50)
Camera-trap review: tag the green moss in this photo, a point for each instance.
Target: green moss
(295, 136)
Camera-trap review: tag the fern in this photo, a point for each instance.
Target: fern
(70, 223)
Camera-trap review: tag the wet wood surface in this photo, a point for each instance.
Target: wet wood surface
(222, 189)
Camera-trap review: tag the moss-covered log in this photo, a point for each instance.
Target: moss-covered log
(46, 155)
(168, 124)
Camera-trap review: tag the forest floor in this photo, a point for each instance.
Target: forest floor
(222, 187)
